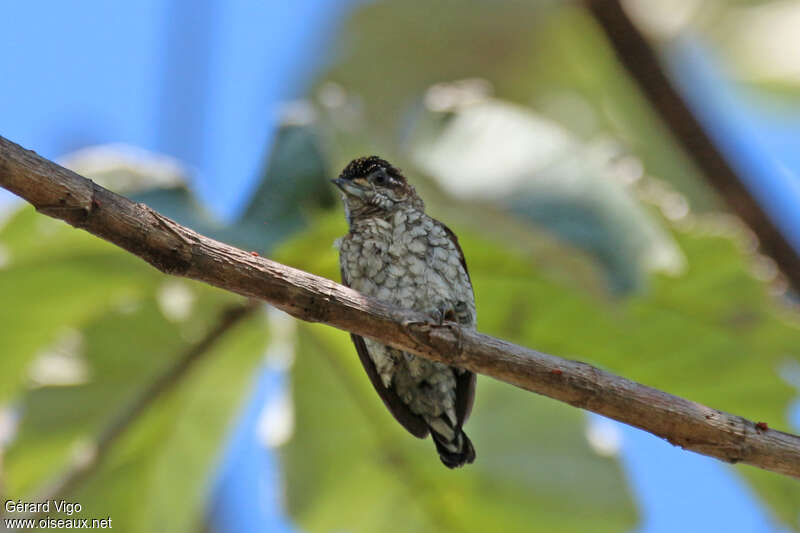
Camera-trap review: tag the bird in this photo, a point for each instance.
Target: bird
(396, 253)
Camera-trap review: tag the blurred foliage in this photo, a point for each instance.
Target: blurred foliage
(64, 283)
(713, 335)
(759, 42)
(709, 331)
(294, 182)
(540, 257)
(85, 327)
(485, 149)
(545, 54)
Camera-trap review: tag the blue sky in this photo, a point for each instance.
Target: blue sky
(759, 134)
(202, 81)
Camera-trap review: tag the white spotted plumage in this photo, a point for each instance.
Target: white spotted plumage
(415, 256)
(396, 253)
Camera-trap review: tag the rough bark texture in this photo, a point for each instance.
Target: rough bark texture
(641, 61)
(177, 250)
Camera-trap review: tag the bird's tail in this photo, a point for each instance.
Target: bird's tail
(454, 447)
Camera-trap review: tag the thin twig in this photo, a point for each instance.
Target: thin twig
(183, 252)
(83, 467)
(642, 63)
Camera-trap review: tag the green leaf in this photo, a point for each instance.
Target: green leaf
(158, 478)
(296, 177)
(166, 455)
(114, 309)
(294, 182)
(543, 174)
(63, 282)
(550, 54)
(56, 279)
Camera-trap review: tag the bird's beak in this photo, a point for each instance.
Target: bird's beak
(348, 187)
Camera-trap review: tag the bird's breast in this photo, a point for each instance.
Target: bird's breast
(407, 260)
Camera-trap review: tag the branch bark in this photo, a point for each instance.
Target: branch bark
(177, 250)
(642, 63)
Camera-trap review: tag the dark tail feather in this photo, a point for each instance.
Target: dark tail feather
(455, 453)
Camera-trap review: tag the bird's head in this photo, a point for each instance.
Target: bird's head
(373, 187)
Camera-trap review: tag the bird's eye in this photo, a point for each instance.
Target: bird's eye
(380, 179)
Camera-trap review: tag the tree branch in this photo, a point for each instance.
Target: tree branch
(177, 250)
(642, 63)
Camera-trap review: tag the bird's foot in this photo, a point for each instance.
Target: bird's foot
(438, 317)
(448, 317)
(441, 317)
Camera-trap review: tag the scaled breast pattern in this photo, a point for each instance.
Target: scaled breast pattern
(410, 261)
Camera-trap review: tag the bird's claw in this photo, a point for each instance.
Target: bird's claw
(442, 317)
(437, 318)
(409, 323)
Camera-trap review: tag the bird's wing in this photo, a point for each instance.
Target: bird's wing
(458, 247)
(465, 382)
(401, 412)
(465, 396)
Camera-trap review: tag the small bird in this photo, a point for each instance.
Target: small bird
(396, 253)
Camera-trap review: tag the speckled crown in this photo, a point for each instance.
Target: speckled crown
(364, 166)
